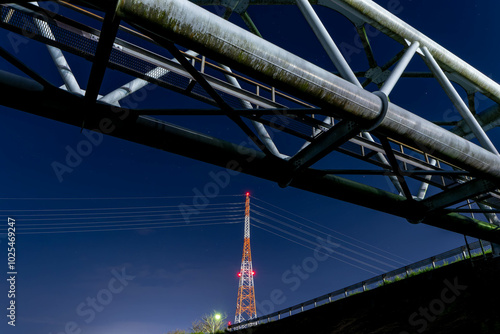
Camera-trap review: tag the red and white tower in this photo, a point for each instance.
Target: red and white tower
(245, 306)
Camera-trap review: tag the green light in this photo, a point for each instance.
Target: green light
(217, 316)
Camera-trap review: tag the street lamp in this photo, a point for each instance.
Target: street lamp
(216, 322)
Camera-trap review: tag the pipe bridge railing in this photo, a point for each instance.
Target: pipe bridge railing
(461, 253)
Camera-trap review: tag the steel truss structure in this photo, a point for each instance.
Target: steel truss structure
(245, 304)
(269, 92)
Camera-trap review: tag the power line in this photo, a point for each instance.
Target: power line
(316, 230)
(328, 228)
(106, 209)
(134, 216)
(102, 198)
(131, 221)
(126, 229)
(311, 242)
(298, 243)
(176, 209)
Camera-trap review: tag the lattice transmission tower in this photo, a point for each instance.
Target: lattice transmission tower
(245, 305)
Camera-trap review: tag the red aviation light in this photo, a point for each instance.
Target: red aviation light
(239, 274)
(248, 194)
(253, 273)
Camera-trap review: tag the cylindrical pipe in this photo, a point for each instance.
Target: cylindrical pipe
(189, 25)
(425, 185)
(58, 57)
(458, 102)
(341, 64)
(259, 127)
(368, 11)
(399, 69)
(327, 42)
(64, 70)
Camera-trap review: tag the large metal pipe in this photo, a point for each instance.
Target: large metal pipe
(191, 26)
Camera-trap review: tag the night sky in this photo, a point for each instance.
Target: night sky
(165, 275)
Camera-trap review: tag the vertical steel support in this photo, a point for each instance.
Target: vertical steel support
(259, 127)
(64, 70)
(423, 188)
(382, 159)
(458, 102)
(471, 121)
(341, 65)
(339, 62)
(103, 51)
(399, 69)
(327, 42)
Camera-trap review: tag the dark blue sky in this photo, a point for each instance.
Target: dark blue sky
(181, 273)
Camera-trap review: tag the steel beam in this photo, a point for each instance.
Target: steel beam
(488, 119)
(58, 57)
(457, 194)
(361, 30)
(103, 51)
(425, 185)
(327, 42)
(370, 12)
(320, 147)
(395, 168)
(458, 102)
(259, 127)
(399, 69)
(53, 103)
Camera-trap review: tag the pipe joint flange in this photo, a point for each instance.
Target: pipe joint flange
(383, 112)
